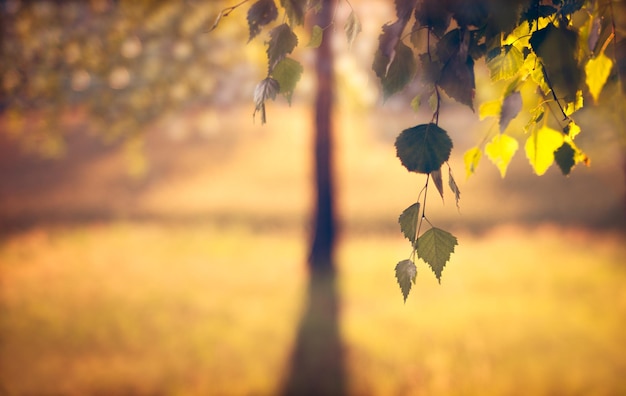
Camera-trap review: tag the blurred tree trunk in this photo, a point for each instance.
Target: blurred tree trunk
(323, 238)
(317, 358)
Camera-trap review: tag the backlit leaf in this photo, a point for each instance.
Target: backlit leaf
(415, 103)
(597, 71)
(454, 187)
(408, 222)
(511, 107)
(438, 180)
(489, 109)
(564, 157)
(572, 129)
(435, 247)
(287, 72)
(540, 148)
(282, 42)
(260, 14)
(317, 33)
(504, 62)
(423, 148)
(471, 158)
(352, 28)
(500, 151)
(406, 272)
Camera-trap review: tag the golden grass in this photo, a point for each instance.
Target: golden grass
(152, 309)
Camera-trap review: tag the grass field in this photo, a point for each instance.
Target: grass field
(145, 309)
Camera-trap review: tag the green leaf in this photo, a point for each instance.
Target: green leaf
(260, 14)
(400, 72)
(435, 247)
(471, 158)
(511, 107)
(597, 71)
(416, 102)
(287, 72)
(500, 151)
(408, 222)
(317, 33)
(564, 157)
(406, 272)
(454, 187)
(282, 42)
(540, 148)
(504, 62)
(352, 28)
(438, 180)
(423, 148)
(295, 10)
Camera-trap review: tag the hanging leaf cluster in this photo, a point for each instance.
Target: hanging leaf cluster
(283, 71)
(546, 57)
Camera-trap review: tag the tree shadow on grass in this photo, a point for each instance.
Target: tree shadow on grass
(317, 359)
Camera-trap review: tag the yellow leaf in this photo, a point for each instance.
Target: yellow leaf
(500, 151)
(571, 107)
(540, 148)
(490, 109)
(572, 130)
(597, 71)
(471, 158)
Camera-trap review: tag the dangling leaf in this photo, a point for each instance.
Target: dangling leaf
(435, 247)
(500, 151)
(260, 14)
(557, 48)
(423, 148)
(540, 148)
(490, 109)
(571, 129)
(282, 42)
(438, 180)
(352, 28)
(471, 158)
(504, 62)
(511, 107)
(317, 33)
(287, 72)
(457, 80)
(408, 222)
(430, 13)
(454, 187)
(295, 10)
(400, 72)
(415, 102)
(266, 89)
(564, 157)
(386, 52)
(597, 71)
(406, 272)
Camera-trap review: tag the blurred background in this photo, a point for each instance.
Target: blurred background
(153, 237)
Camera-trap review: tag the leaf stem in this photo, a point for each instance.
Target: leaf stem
(226, 12)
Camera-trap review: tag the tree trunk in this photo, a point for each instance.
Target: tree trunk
(323, 238)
